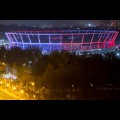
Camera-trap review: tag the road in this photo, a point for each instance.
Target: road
(5, 96)
(8, 95)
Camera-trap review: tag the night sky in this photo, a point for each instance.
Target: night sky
(51, 22)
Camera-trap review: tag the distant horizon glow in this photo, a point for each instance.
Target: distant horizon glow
(53, 22)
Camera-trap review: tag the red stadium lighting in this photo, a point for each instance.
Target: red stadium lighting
(70, 40)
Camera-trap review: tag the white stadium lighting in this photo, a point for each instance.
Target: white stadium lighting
(58, 40)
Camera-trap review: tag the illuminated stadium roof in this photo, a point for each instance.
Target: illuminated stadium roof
(70, 40)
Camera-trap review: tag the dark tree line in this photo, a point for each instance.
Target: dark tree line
(64, 76)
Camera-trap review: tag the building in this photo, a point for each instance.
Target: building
(58, 40)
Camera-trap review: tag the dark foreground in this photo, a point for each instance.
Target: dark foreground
(106, 94)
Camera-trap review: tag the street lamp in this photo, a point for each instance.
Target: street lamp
(7, 85)
(14, 88)
(34, 97)
(1, 82)
(22, 91)
(33, 84)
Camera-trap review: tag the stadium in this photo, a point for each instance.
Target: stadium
(58, 40)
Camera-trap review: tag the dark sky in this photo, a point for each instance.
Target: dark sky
(51, 22)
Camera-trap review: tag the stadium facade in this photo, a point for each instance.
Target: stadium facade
(58, 40)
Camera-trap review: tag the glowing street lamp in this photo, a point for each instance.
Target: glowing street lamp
(89, 25)
(3, 64)
(34, 96)
(32, 83)
(7, 85)
(22, 91)
(14, 88)
(1, 82)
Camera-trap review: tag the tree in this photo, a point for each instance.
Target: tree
(24, 75)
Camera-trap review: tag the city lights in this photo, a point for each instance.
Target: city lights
(89, 25)
(14, 87)
(3, 64)
(1, 82)
(33, 83)
(118, 54)
(7, 85)
(9, 75)
(34, 96)
(22, 91)
(66, 62)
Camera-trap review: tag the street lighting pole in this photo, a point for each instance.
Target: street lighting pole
(33, 84)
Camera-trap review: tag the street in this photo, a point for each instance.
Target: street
(5, 96)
